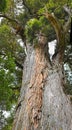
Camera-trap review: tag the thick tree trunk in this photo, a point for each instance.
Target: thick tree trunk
(42, 104)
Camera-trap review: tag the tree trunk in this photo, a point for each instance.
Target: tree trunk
(42, 103)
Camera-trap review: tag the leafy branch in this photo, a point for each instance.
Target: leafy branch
(10, 19)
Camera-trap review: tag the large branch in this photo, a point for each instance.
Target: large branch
(10, 19)
(60, 36)
(56, 25)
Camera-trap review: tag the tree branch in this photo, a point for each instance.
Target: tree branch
(10, 19)
(57, 26)
(67, 9)
(31, 14)
(67, 25)
(27, 7)
(60, 47)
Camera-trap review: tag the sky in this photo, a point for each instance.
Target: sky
(52, 45)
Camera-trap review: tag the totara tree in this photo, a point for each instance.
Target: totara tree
(42, 104)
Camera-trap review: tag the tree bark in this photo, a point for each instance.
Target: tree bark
(42, 103)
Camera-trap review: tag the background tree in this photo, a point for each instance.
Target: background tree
(11, 65)
(42, 103)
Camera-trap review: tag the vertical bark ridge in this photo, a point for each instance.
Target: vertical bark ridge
(36, 89)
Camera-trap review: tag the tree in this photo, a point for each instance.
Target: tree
(11, 65)
(42, 103)
(10, 74)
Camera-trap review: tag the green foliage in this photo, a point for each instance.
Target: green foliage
(39, 5)
(2, 5)
(43, 21)
(9, 63)
(35, 5)
(10, 82)
(46, 27)
(4, 29)
(32, 28)
(7, 39)
(4, 34)
(7, 80)
(6, 5)
(9, 121)
(35, 26)
(10, 75)
(10, 7)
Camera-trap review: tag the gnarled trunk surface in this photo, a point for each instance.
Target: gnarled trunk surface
(42, 104)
